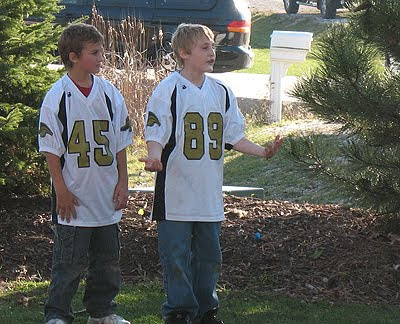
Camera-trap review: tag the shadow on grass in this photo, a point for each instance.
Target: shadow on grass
(281, 177)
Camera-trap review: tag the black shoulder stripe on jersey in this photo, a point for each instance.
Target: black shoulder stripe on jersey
(109, 107)
(62, 116)
(159, 192)
(227, 106)
(227, 99)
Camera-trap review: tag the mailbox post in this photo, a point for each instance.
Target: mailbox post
(287, 47)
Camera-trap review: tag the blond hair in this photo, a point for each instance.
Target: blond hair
(74, 38)
(186, 36)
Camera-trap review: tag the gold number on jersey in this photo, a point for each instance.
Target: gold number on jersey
(78, 144)
(101, 159)
(194, 135)
(215, 130)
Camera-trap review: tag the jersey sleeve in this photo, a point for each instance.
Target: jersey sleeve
(158, 124)
(50, 130)
(234, 121)
(124, 127)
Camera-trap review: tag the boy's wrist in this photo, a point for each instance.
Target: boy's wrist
(266, 154)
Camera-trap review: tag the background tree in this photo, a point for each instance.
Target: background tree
(353, 87)
(25, 51)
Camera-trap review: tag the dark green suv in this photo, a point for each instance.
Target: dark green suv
(230, 20)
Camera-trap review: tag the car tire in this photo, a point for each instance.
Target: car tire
(328, 9)
(291, 6)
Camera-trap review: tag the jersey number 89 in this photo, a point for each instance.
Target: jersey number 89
(194, 135)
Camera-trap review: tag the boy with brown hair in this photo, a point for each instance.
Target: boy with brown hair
(190, 119)
(84, 131)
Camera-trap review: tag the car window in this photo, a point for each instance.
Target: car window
(186, 4)
(126, 3)
(68, 1)
(119, 3)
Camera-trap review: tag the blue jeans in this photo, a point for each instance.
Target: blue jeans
(73, 248)
(191, 259)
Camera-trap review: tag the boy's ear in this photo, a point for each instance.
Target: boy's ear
(183, 54)
(73, 57)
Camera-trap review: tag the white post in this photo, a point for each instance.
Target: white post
(278, 70)
(287, 47)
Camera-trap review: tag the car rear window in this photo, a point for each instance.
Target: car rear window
(186, 4)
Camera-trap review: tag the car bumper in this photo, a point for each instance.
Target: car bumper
(231, 58)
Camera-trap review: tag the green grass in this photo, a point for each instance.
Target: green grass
(137, 176)
(262, 27)
(281, 178)
(140, 303)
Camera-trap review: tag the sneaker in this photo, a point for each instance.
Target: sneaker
(110, 319)
(178, 318)
(56, 321)
(211, 318)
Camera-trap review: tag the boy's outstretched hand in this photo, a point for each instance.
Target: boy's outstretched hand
(151, 164)
(273, 147)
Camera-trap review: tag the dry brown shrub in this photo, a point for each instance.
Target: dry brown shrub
(126, 64)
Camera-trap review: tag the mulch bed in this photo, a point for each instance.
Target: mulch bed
(307, 251)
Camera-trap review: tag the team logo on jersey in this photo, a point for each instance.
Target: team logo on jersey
(44, 130)
(152, 119)
(127, 125)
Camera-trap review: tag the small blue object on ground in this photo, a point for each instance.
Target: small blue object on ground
(258, 236)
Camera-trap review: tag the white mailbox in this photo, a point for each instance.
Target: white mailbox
(287, 47)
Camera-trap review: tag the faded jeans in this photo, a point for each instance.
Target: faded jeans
(191, 259)
(74, 248)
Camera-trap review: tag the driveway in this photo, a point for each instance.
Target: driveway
(275, 6)
(252, 90)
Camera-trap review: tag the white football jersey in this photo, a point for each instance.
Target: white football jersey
(86, 133)
(193, 125)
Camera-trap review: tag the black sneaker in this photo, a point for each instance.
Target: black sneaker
(178, 318)
(211, 318)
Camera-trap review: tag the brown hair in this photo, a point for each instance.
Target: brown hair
(74, 38)
(185, 38)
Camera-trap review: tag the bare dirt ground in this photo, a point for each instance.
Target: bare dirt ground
(313, 252)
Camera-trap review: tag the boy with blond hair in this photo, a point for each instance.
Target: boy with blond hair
(190, 119)
(83, 132)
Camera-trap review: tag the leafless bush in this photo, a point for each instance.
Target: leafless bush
(127, 66)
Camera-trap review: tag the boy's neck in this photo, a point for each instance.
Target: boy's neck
(197, 78)
(82, 79)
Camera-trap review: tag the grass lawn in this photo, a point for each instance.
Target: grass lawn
(281, 178)
(140, 303)
(262, 27)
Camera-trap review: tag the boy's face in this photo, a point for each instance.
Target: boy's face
(201, 58)
(90, 59)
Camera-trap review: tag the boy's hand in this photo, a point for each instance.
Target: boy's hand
(272, 148)
(120, 196)
(66, 203)
(151, 164)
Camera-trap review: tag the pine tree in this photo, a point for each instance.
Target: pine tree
(353, 87)
(25, 51)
